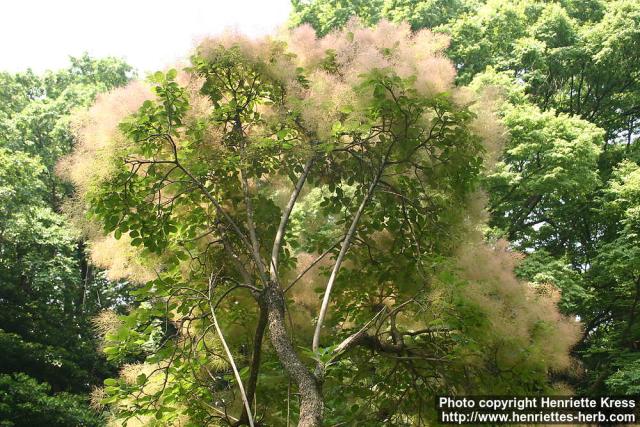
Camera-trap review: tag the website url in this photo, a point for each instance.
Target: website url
(475, 417)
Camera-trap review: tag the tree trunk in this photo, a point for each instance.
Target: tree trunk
(311, 403)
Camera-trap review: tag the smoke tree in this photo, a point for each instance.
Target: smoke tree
(573, 131)
(303, 219)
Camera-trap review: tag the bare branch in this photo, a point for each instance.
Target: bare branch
(310, 266)
(353, 339)
(229, 355)
(343, 251)
(284, 220)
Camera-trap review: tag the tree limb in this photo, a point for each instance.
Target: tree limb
(343, 251)
(284, 220)
(229, 355)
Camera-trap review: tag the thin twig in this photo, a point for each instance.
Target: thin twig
(310, 266)
(229, 355)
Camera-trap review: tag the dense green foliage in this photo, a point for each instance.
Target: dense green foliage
(48, 293)
(26, 402)
(564, 190)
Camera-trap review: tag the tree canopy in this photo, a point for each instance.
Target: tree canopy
(324, 191)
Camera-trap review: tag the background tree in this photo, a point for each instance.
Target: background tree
(48, 292)
(389, 296)
(554, 63)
